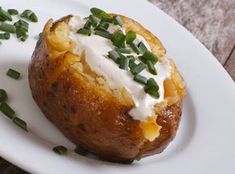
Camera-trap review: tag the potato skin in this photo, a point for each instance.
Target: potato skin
(88, 114)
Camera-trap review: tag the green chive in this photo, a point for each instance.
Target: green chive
(137, 68)
(99, 13)
(150, 56)
(132, 63)
(4, 36)
(93, 20)
(7, 27)
(103, 26)
(104, 34)
(152, 88)
(135, 48)
(130, 37)
(3, 95)
(123, 50)
(7, 110)
(123, 62)
(142, 48)
(87, 25)
(22, 25)
(109, 20)
(117, 21)
(5, 16)
(140, 79)
(113, 55)
(30, 15)
(21, 123)
(24, 38)
(151, 67)
(60, 150)
(12, 11)
(81, 151)
(118, 39)
(20, 33)
(13, 74)
(84, 31)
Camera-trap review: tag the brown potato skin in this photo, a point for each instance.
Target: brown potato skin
(89, 115)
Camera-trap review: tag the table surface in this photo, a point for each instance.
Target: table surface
(210, 21)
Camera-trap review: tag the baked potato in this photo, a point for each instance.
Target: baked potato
(92, 114)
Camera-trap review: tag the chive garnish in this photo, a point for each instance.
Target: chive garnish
(117, 21)
(130, 36)
(3, 95)
(99, 13)
(151, 67)
(132, 63)
(150, 56)
(137, 68)
(12, 11)
(24, 38)
(142, 48)
(118, 39)
(20, 33)
(113, 55)
(140, 79)
(93, 20)
(60, 150)
(7, 110)
(104, 34)
(152, 88)
(108, 19)
(123, 62)
(84, 31)
(30, 15)
(81, 151)
(4, 15)
(21, 123)
(4, 36)
(103, 26)
(123, 50)
(87, 25)
(13, 74)
(135, 48)
(22, 24)
(7, 27)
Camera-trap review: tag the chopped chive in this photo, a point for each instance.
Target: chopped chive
(137, 68)
(4, 15)
(87, 25)
(84, 31)
(151, 67)
(118, 39)
(93, 20)
(13, 74)
(3, 95)
(130, 37)
(20, 33)
(135, 48)
(7, 110)
(140, 79)
(113, 55)
(30, 15)
(108, 19)
(60, 150)
(99, 13)
(7, 27)
(103, 26)
(152, 88)
(150, 56)
(24, 38)
(142, 48)
(117, 21)
(4, 36)
(22, 24)
(21, 123)
(123, 50)
(123, 62)
(12, 11)
(132, 63)
(81, 151)
(104, 34)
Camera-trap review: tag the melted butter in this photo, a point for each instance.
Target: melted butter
(96, 48)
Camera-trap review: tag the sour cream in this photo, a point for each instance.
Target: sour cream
(95, 48)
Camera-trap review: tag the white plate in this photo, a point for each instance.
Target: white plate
(205, 140)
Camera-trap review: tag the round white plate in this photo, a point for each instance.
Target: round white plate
(205, 141)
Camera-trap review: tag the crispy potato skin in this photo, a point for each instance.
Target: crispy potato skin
(91, 116)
